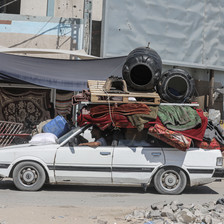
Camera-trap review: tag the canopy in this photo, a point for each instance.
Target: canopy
(58, 73)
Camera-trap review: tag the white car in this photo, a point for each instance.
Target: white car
(137, 164)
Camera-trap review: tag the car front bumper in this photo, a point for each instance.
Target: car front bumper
(219, 173)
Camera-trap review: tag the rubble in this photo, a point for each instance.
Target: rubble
(175, 212)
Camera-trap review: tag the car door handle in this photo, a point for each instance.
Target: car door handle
(156, 153)
(105, 153)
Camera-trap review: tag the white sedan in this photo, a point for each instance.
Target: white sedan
(65, 162)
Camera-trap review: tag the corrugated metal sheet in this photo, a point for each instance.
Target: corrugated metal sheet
(187, 33)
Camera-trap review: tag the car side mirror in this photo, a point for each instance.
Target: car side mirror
(72, 142)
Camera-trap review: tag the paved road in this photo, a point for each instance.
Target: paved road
(103, 196)
(92, 205)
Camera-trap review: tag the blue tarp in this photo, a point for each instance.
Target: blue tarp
(58, 73)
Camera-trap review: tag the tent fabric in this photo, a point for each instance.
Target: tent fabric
(61, 74)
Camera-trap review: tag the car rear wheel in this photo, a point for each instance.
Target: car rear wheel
(29, 176)
(170, 181)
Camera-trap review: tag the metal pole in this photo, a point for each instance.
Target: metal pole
(211, 89)
(87, 25)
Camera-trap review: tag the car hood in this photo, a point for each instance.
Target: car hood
(26, 146)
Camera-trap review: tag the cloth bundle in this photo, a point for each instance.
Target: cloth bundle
(214, 131)
(178, 118)
(172, 138)
(191, 123)
(208, 145)
(105, 121)
(84, 96)
(124, 109)
(123, 116)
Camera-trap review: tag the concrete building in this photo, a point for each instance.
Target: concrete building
(45, 24)
(51, 24)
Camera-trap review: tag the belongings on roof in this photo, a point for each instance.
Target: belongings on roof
(84, 96)
(43, 139)
(98, 95)
(121, 116)
(142, 69)
(110, 102)
(115, 85)
(172, 138)
(58, 126)
(176, 86)
(179, 118)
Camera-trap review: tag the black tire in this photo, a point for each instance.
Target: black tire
(170, 181)
(176, 86)
(142, 69)
(29, 176)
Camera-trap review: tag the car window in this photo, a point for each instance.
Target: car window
(133, 138)
(69, 134)
(85, 136)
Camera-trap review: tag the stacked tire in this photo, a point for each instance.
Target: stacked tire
(142, 69)
(142, 72)
(176, 86)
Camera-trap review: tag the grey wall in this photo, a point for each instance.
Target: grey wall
(186, 33)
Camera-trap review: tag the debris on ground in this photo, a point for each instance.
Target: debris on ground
(176, 212)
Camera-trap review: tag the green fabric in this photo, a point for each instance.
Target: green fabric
(138, 120)
(178, 118)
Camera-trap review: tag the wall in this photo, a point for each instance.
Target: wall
(41, 32)
(48, 24)
(97, 9)
(33, 7)
(185, 33)
(69, 8)
(65, 8)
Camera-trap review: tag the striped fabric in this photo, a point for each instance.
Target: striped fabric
(63, 105)
(172, 138)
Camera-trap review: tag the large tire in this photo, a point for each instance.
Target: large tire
(170, 181)
(29, 176)
(142, 69)
(176, 86)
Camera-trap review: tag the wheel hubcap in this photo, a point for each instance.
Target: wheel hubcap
(170, 180)
(28, 176)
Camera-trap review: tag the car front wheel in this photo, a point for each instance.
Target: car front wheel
(170, 180)
(29, 176)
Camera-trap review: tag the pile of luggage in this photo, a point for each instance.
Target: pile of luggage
(126, 103)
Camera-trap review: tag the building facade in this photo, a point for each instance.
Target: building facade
(51, 24)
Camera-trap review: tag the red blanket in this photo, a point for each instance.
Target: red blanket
(172, 138)
(105, 121)
(194, 133)
(208, 145)
(124, 109)
(197, 133)
(122, 121)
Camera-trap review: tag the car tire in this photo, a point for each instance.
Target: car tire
(29, 176)
(176, 86)
(142, 69)
(170, 180)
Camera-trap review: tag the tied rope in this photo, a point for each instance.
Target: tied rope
(108, 100)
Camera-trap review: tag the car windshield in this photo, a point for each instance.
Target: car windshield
(77, 130)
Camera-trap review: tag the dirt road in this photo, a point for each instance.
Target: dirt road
(82, 205)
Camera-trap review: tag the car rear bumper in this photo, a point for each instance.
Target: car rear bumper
(219, 172)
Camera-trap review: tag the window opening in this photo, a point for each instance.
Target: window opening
(10, 6)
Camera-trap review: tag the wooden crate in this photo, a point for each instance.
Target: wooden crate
(98, 95)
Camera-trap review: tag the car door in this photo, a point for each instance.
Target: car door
(83, 164)
(135, 162)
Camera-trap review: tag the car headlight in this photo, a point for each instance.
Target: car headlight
(219, 161)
